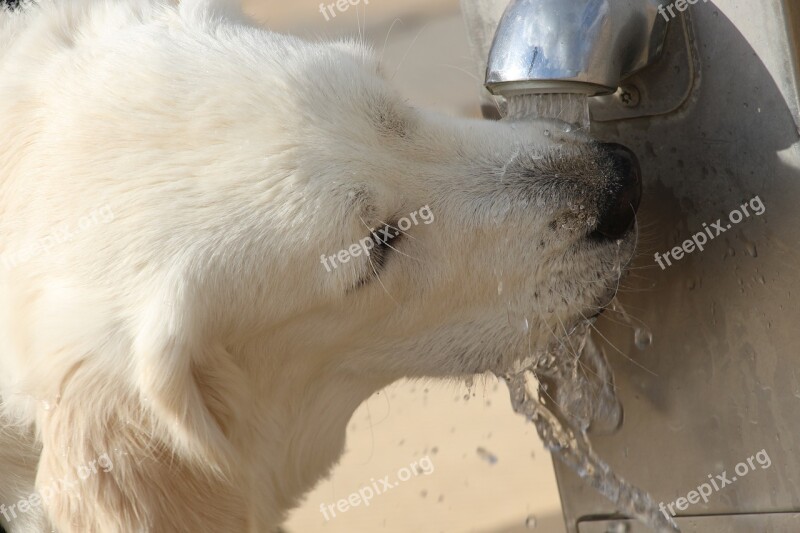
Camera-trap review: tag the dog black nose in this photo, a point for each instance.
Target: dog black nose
(618, 211)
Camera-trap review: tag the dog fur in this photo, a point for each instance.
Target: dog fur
(194, 336)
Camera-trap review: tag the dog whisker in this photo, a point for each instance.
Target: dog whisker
(398, 229)
(623, 354)
(386, 40)
(410, 46)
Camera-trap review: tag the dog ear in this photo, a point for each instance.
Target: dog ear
(191, 385)
(151, 446)
(107, 467)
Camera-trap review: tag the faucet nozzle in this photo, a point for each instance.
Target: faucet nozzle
(572, 46)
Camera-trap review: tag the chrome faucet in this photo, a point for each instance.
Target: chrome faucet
(572, 46)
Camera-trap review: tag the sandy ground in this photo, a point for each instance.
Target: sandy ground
(482, 468)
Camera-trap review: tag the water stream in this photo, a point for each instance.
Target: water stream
(568, 390)
(572, 109)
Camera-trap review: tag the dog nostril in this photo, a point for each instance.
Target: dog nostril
(618, 211)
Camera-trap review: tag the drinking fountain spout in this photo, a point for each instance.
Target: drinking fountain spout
(582, 47)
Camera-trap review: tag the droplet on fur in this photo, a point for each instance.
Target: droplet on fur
(500, 209)
(45, 405)
(751, 249)
(547, 133)
(518, 321)
(500, 288)
(531, 522)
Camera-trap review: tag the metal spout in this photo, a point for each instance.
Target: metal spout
(572, 46)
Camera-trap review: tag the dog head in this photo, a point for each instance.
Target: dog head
(428, 245)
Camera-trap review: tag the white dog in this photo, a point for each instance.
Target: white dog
(174, 356)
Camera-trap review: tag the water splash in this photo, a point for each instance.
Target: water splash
(573, 109)
(576, 394)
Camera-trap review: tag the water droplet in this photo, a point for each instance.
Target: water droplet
(751, 249)
(618, 527)
(531, 522)
(45, 405)
(500, 209)
(518, 321)
(487, 456)
(546, 133)
(643, 338)
(500, 288)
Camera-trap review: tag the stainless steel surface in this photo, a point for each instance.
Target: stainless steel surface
(726, 348)
(748, 523)
(663, 86)
(572, 46)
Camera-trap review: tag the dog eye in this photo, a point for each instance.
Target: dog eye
(386, 239)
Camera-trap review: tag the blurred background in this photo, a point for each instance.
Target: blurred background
(490, 472)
